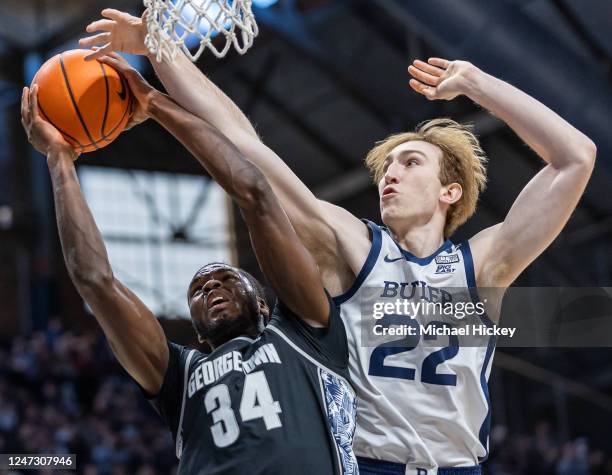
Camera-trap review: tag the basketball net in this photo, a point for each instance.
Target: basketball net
(215, 24)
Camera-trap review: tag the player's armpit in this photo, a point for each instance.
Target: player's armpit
(481, 245)
(337, 240)
(350, 234)
(133, 332)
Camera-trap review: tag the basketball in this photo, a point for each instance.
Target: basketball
(87, 101)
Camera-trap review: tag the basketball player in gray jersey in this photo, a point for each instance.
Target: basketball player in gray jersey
(426, 410)
(273, 396)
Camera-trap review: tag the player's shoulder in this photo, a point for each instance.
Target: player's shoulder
(297, 339)
(179, 350)
(184, 355)
(378, 238)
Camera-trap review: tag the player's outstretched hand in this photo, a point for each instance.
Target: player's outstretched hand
(41, 134)
(141, 89)
(439, 78)
(119, 32)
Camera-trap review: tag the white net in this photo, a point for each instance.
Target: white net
(197, 25)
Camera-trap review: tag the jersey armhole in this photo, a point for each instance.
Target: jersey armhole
(367, 266)
(179, 429)
(483, 432)
(470, 276)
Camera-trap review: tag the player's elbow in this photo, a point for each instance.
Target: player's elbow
(97, 281)
(586, 153)
(591, 150)
(254, 190)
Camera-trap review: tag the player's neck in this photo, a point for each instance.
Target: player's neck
(251, 334)
(421, 241)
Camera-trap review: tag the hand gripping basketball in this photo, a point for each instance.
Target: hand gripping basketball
(142, 91)
(88, 102)
(41, 134)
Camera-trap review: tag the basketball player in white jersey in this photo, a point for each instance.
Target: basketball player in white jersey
(425, 410)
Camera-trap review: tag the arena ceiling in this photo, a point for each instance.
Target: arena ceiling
(327, 78)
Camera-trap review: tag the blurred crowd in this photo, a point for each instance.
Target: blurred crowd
(63, 392)
(540, 453)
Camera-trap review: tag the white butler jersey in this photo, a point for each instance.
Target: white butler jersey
(425, 405)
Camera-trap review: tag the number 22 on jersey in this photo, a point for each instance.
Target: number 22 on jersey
(429, 372)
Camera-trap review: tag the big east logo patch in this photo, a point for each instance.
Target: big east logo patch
(444, 269)
(447, 259)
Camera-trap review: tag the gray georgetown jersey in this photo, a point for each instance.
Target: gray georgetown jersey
(278, 404)
(425, 402)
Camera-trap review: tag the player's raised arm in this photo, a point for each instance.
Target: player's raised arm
(541, 210)
(284, 260)
(133, 332)
(325, 229)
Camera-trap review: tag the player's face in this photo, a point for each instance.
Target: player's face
(410, 188)
(219, 305)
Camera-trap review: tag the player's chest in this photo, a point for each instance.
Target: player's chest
(229, 391)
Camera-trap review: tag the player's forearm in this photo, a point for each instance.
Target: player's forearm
(191, 89)
(221, 159)
(82, 244)
(550, 136)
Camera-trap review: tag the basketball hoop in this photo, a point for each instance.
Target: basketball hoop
(193, 25)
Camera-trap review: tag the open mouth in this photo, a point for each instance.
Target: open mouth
(215, 301)
(388, 191)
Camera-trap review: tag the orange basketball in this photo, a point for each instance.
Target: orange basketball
(87, 101)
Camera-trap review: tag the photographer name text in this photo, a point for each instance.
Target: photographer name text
(443, 330)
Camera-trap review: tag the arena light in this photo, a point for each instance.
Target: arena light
(264, 3)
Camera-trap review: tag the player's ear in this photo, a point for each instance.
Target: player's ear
(263, 309)
(450, 194)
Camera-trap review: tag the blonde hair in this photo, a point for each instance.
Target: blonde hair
(463, 161)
